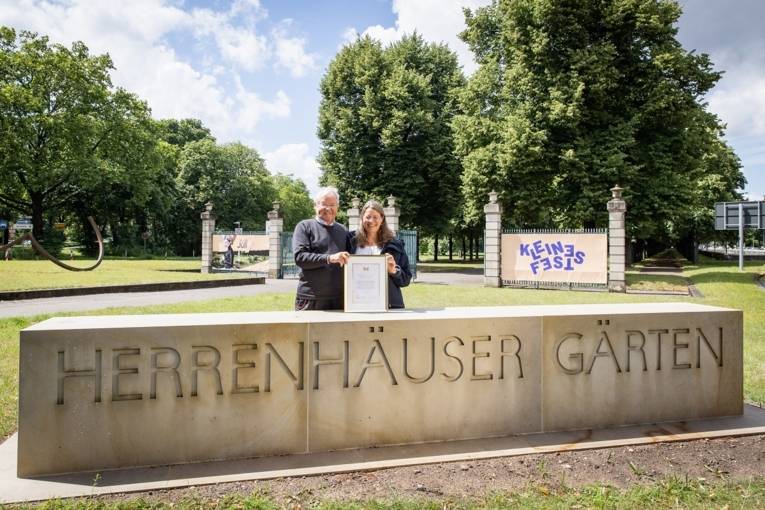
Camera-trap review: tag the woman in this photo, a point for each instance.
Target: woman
(374, 238)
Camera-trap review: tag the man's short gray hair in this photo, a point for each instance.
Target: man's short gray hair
(326, 192)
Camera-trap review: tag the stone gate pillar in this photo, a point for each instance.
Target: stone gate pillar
(274, 227)
(208, 227)
(392, 213)
(617, 208)
(353, 215)
(491, 242)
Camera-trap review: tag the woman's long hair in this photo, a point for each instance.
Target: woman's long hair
(383, 235)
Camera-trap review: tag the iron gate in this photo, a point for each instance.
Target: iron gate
(409, 238)
(288, 268)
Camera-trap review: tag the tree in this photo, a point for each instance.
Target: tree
(63, 130)
(233, 177)
(180, 132)
(384, 126)
(294, 200)
(573, 97)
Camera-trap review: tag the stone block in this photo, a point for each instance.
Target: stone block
(108, 392)
(110, 395)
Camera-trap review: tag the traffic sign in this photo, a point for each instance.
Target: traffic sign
(727, 215)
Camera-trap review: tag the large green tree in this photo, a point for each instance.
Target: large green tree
(384, 127)
(575, 96)
(233, 177)
(65, 133)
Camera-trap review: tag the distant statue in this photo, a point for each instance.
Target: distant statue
(228, 258)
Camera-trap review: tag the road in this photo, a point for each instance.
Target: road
(27, 307)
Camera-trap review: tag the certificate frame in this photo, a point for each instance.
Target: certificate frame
(365, 281)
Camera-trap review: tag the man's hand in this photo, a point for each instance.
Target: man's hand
(391, 263)
(339, 258)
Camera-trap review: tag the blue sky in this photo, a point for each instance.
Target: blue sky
(250, 69)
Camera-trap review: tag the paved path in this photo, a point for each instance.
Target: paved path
(96, 301)
(26, 307)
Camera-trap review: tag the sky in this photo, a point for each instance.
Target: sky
(250, 69)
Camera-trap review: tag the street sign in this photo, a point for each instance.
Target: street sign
(59, 226)
(727, 215)
(3, 224)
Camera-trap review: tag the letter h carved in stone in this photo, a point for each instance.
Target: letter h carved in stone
(63, 373)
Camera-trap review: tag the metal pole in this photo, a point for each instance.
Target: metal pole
(740, 236)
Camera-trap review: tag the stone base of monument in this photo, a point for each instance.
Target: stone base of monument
(16, 490)
(105, 393)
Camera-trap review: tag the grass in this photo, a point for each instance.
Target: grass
(671, 493)
(43, 274)
(720, 282)
(446, 266)
(656, 282)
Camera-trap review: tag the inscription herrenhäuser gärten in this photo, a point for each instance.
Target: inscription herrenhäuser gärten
(167, 372)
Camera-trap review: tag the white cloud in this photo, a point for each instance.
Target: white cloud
(438, 21)
(250, 108)
(136, 37)
(295, 159)
(290, 52)
(349, 36)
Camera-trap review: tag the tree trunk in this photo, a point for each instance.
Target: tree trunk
(418, 246)
(464, 253)
(450, 247)
(435, 248)
(37, 214)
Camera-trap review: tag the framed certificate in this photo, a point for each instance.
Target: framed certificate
(366, 284)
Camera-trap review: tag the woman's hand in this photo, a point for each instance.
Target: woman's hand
(391, 263)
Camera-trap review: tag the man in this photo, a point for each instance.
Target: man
(320, 246)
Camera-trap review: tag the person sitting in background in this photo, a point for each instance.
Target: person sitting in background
(320, 247)
(374, 237)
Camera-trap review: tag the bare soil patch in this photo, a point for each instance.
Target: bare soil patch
(723, 459)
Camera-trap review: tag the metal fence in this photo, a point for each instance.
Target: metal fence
(409, 238)
(288, 268)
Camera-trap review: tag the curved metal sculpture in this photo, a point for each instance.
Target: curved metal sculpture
(42, 251)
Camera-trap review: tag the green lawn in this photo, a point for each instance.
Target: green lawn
(721, 284)
(671, 493)
(43, 274)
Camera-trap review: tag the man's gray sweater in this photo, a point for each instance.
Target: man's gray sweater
(312, 244)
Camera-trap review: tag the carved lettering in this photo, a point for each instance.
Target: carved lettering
(296, 379)
(118, 370)
(198, 365)
(679, 345)
(376, 346)
(63, 374)
(474, 376)
(317, 362)
(503, 353)
(603, 354)
(636, 348)
(449, 341)
(420, 380)
(170, 369)
(658, 333)
(578, 357)
(238, 364)
(716, 355)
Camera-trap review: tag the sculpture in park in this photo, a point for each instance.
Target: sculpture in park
(43, 252)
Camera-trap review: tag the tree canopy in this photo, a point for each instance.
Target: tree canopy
(72, 146)
(63, 129)
(573, 97)
(384, 127)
